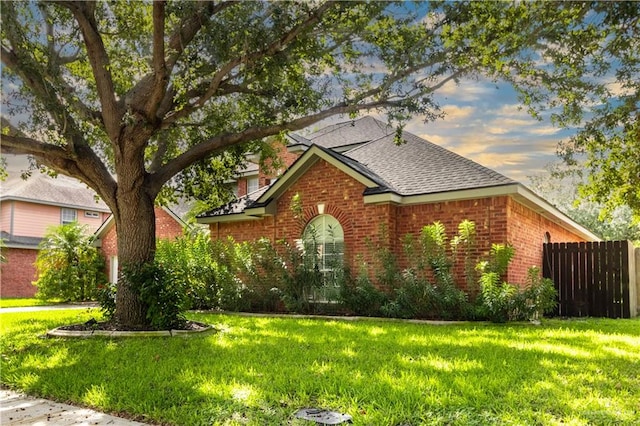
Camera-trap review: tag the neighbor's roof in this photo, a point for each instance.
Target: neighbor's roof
(60, 191)
(16, 241)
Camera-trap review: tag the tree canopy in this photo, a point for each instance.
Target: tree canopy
(134, 98)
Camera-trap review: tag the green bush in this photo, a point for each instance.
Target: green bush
(360, 296)
(158, 289)
(498, 298)
(190, 262)
(106, 297)
(69, 267)
(503, 302)
(539, 297)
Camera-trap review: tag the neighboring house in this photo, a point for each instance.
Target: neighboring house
(28, 208)
(169, 225)
(351, 179)
(250, 178)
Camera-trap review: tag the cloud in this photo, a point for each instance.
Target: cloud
(544, 131)
(467, 91)
(455, 112)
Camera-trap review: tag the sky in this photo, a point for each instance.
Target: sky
(484, 123)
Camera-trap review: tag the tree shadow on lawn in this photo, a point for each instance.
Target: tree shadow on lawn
(261, 370)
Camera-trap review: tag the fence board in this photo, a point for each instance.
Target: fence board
(592, 279)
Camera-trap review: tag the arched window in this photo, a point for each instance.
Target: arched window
(323, 240)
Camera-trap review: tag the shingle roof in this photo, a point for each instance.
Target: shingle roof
(62, 190)
(238, 205)
(414, 167)
(421, 167)
(351, 132)
(17, 241)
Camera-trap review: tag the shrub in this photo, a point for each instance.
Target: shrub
(539, 297)
(160, 292)
(503, 302)
(190, 262)
(360, 296)
(497, 298)
(106, 297)
(69, 266)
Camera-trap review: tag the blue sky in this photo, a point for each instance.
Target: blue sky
(484, 123)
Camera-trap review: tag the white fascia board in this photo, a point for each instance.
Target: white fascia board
(21, 246)
(464, 194)
(268, 210)
(303, 164)
(530, 199)
(238, 217)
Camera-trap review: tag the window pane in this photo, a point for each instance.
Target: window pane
(68, 215)
(324, 244)
(252, 185)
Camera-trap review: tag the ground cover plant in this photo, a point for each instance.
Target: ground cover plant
(260, 370)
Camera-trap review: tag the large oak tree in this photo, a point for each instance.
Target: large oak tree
(134, 98)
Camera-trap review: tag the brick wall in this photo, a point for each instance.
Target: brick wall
(17, 274)
(526, 232)
(498, 219)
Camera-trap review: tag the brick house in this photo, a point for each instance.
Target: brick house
(27, 209)
(169, 225)
(350, 179)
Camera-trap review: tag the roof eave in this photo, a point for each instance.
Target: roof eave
(234, 217)
(54, 203)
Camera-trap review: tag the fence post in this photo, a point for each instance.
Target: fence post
(634, 277)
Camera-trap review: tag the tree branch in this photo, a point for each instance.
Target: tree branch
(112, 113)
(219, 143)
(270, 50)
(82, 163)
(160, 76)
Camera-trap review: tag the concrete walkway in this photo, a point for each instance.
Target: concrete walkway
(19, 409)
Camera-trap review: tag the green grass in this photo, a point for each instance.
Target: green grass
(20, 302)
(261, 370)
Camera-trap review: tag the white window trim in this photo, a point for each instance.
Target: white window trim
(65, 220)
(321, 222)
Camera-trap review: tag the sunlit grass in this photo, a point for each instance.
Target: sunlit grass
(15, 302)
(261, 370)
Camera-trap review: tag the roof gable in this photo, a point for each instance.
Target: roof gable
(257, 202)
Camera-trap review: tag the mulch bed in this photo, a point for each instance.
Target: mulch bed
(93, 325)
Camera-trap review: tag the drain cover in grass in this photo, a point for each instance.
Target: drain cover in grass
(323, 417)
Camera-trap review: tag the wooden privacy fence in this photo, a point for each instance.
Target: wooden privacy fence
(596, 279)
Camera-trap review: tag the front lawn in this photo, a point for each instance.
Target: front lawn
(261, 370)
(15, 302)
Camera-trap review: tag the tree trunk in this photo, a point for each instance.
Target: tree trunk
(136, 229)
